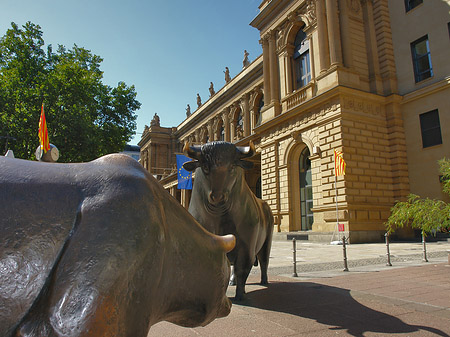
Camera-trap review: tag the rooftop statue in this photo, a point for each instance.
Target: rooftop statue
(188, 111)
(155, 121)
(227, 75)
(211, 89)
(245, 62)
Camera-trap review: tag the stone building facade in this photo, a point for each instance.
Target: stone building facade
(332, 76)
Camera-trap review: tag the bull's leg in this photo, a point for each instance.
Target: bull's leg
(263, 257)
(264, 252)
(242, 270)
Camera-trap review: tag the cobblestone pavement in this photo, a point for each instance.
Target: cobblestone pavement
(409, 298)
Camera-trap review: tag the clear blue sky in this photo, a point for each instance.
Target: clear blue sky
(170, 50)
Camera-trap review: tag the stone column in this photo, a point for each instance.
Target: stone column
(246, 114)
(197, 136)
(345, 29)
(184, 199)
(311, 53)
(210, 129)
(274, 78)
(215, 129)
(173, 191)
(372, 52)
(232, 121)
(334, 35)
(252, 103)
(286, 70)
(324, 54)
(226, 125)
(266, 69)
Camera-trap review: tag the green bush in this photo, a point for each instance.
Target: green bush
(425, 214)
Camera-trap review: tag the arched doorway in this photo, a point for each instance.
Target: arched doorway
(306, 192)
(301, 192)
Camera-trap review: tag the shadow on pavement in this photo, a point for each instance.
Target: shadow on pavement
(330, 306)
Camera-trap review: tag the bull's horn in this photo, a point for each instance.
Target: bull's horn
(247, 151)
(227, 242)
(191, 152)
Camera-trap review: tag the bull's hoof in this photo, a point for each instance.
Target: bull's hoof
(239, 298)
(232, 283)
(264, 282)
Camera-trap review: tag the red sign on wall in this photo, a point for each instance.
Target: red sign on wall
(341, 227)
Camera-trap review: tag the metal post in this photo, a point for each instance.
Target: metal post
(424, 248)
(344, 248)
(386, 235)
(294, 252)
(337, 209)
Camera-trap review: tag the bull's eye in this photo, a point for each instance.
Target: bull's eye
(205, 168)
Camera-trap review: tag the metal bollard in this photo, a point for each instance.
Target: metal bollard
(386, 235)
(424, 248)
(344, 248)
(294, 252)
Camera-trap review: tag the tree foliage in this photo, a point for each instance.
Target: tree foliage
(424, 214)
(85, 118)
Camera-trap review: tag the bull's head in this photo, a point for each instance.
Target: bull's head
(221, 164)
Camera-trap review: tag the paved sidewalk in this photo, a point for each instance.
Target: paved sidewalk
(411, 298)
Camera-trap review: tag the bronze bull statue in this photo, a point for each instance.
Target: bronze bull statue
(101, 249)
(224, 204)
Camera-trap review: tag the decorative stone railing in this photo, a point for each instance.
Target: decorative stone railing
(299, 96)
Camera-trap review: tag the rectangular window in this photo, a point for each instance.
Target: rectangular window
(421, 57)
(410, 4)
(302, 70)
(302, 64)
(430, 128)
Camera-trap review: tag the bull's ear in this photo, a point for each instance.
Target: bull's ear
(246, 165)
(191, 165)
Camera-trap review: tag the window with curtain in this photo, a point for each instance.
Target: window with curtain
(302, 67)
(421, 57)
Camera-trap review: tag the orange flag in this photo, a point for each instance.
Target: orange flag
(43, 134)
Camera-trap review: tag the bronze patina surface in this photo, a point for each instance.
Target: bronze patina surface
(224, 204)
(101, 249)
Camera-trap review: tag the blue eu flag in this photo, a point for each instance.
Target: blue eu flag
(184, 177)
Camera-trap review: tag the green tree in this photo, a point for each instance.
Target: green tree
(85, 118)
(424, 214)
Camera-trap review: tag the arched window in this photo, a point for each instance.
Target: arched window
(306, 193)
(258, 112)
(239, 121)
(302, 67)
